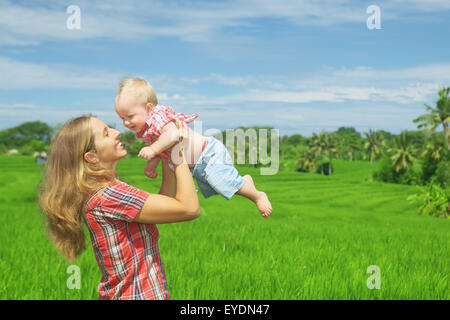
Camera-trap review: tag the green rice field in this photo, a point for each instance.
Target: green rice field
(323, 235)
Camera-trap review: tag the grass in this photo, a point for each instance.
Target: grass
(322, 236)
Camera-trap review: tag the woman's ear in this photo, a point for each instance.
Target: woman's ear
(91, 157)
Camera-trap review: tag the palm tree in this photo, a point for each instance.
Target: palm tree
(404, 152)
(330, 148)
(438, 115)
(318, 146)
(372, 145)
(353, 144)
(434, 145)
(307, 161)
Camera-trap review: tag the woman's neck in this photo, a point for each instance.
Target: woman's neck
(111, 166)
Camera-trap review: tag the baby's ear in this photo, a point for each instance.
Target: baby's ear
(149, 106)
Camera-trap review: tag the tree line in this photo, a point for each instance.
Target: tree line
(419, 157)
(308, 153)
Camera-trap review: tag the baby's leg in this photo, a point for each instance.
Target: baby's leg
(151, 166)
(249, 191)
(153, 163)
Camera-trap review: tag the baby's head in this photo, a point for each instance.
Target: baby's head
(135, 100)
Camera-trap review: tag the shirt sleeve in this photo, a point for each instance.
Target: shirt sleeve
(161, 117)
(121, 201)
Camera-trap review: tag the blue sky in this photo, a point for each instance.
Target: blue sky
(298, 66)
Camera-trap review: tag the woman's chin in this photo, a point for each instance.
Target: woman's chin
(122, 153)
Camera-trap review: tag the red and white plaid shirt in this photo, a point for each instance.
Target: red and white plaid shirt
(159, 117)
(126, 252)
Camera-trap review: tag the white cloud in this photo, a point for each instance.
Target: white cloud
(328, 98)
(336, 94)
(399, 85)
(199, 21)
(17, 106)
(219, 78)
(13, 116)
(28, 75)
(419, 5)
(425, 72)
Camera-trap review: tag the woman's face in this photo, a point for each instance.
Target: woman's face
(107, 143)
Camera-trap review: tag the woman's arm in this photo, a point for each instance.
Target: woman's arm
(169, 181)
(160, 208)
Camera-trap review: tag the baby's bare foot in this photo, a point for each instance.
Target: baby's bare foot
(264, 205)
(258, 197)
(151, 173)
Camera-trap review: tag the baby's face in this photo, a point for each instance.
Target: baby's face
(132, 112)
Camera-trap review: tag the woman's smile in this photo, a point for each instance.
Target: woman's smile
(109, 147)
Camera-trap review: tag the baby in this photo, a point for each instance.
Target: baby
(209, 160)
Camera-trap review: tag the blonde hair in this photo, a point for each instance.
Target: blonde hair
(68, 182)
(139, 88)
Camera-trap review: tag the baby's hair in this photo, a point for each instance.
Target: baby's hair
(139, 88)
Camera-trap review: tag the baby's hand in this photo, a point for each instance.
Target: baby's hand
(147, 153)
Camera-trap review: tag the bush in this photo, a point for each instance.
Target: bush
(33, 146)
(325, 167)
(434, 200)
(442, 176)
(305, 164)
(442, 173)
(288, 165)
(429, 166)
(412, 176)
(385, 172)
(437, 169)
(133, 149)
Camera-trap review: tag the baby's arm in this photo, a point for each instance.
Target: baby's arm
(169, 137)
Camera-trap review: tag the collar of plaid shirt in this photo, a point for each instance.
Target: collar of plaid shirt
(144, 129)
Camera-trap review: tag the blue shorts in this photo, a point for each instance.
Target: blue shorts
(214, 171)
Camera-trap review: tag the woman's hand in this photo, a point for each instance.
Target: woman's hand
(182, 129)
(177, 151)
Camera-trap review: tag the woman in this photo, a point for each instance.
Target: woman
(81, 183)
